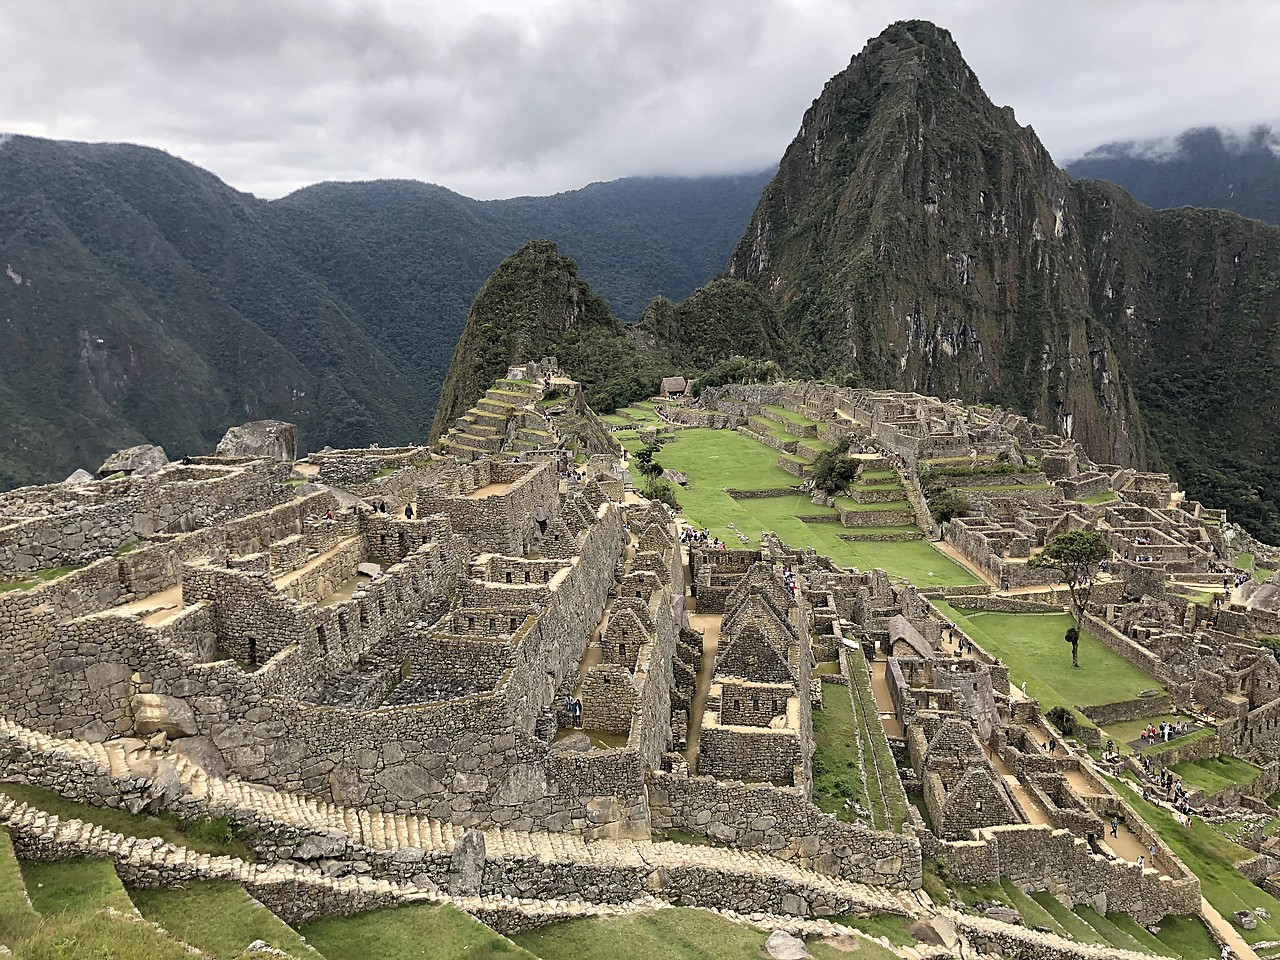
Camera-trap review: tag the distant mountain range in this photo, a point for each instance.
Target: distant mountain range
(917, 237)
(1204, 167)
(144, 299)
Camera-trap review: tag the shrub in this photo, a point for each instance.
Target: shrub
(1062, 718)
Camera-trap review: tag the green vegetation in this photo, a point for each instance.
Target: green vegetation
(716, 459)
(218, 918)
(1106, 496)
(215, 836)
(1075, 556)
(35, 578)
(17, 918)
(1031, 644)
(851, 759)
(672, 934)
(888, 925)
(416, 932)
(1216, 773)
(1210, 856)
(947, 504)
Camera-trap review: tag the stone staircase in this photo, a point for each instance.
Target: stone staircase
(502, 421)
(386, 832)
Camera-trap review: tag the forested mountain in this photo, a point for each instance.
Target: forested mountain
(1204, 167)
(917, 237)
(147, 300)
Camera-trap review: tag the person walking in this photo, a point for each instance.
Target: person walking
(1115, 825)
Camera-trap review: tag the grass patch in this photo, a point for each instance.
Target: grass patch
(1187, 937)
(220, 919)
(888, 925)
(791, 415)
(1106, 496)
(672, 934)
(848, 503)
(1064, 918)
(202, 836)
(1032, 646)
(17, 919)
(838, 740)
(716, 459)
(74, 887)
(416, 932)
(827, 666)
(36, 578)
(1108, 930)
(1210, 856)
(1216, 773)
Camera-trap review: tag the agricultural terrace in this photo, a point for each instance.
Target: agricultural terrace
(714, 460)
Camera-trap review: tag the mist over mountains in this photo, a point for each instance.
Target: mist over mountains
(1202, 167)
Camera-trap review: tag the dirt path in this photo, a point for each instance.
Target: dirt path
(884, 700)
(1224, 932)
(951, 553)
(709, 624)
(155, 608)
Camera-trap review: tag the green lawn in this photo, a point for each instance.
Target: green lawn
(416, 932)
(17, 918)
(1032, 646)
(673, 934)
(791, 415)
(1106, 496)
(220, 919)
(1215, 773)
(837, 742)
(1210, 855)
(213, 836)
(74, 886)
(716, 459)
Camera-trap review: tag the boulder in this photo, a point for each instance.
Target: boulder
(201, 752)
(369, 569)
(80, 476)
(466, 865)
(140, 461)
(783, 946)
(576, 742)
(156, 713)
(272, 439)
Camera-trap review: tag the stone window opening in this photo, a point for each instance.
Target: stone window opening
(514, 623)
(324, 640)
(508, 576)
(492, 624)
(253, 651)
(526, 576)
(471, 623)
(622, 650)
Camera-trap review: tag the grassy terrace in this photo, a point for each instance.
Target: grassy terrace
(791, 415)
(220, 919)
(1032, 646)
(1210, 855)
(672, 934)
(716, 459)
(416, 932)
(1216, 773)
(1106, 496)
(210, 836)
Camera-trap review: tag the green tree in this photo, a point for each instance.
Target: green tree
(948, 503)
(1075, 556)
(1073, 637)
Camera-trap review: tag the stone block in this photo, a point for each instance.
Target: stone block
(156, 713)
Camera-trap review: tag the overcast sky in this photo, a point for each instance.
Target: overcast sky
(496, 98)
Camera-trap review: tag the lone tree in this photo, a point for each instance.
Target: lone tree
(1073, 638)
(1075, 556)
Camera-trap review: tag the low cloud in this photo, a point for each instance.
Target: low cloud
(505, 98)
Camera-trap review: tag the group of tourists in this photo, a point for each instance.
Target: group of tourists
(1165, 731)
(700, 538)
(573, 707)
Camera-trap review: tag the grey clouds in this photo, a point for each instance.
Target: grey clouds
(498, 98)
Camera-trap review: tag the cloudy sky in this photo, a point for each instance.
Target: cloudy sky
(497, 98)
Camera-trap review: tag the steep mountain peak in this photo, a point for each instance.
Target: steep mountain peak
(533, 301)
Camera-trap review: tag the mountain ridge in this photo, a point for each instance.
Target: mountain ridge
(159, 304)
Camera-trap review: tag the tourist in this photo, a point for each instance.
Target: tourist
(1142, 862)
(1115, 826)
(408, 511)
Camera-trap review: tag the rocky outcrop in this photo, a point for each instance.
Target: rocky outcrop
(142, 461)
(273, 439)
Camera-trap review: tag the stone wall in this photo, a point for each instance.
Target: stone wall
(782, 822)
